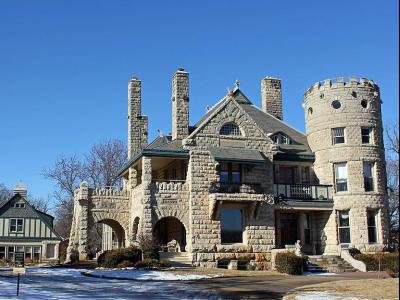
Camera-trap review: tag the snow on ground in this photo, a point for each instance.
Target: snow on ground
(147, 275)
(324, 296)
(318, 274)
(63, 283)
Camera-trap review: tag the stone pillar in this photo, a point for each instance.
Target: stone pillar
(137, 123)
(146, 222)
(301, 219)
(180, 104)
(83, 201)
(271, 95)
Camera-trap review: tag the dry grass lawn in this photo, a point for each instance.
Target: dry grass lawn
(366, 288)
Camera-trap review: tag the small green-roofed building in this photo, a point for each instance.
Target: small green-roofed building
(26, 229)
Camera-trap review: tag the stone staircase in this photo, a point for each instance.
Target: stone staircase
(328, 263)
(176, 259)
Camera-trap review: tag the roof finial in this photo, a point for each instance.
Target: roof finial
(237, 83)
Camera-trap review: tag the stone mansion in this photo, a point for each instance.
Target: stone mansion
(241, 180)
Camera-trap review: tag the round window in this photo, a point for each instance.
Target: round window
(364, 103)
(336, 104)
(310, 111)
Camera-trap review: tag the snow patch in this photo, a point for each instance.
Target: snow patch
(146, 275)
(318, 274)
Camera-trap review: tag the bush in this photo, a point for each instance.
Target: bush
(389, 262)
(164, 263)
(289, 263)
(112, 258)
(147, 263)
(354, 251)
(125, 264)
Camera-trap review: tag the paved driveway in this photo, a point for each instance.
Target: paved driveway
(273, 286)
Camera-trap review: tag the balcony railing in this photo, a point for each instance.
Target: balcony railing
(244, 187)
(304, 192)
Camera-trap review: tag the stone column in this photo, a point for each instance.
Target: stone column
(146, 222)
(300, 221)
(83, 200)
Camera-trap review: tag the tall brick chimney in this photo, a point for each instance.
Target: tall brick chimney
(180, 104)
(271, 94)
(137, 123)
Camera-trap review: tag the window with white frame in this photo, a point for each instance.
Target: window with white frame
(10, 253)
(341, 177)
(16, 225)
(28, 253)
(338, 136)
(366, 135)
(281, 139)
(372, 216)
(19, 205)
(36, 253)
(344, 227)
(368, 176)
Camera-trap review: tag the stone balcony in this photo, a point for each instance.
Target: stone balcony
(250, 194)
(232, 188)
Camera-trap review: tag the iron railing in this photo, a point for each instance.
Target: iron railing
(305, 192)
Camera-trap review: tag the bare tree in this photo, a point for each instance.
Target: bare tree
(67, 173)
(39, 203)
(99, 167)
(5, 193)
(392, 170)
(103, 162)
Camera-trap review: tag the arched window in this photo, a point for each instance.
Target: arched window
(281, 139)
(229, 129)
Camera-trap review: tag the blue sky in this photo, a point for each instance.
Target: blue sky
(65, 65)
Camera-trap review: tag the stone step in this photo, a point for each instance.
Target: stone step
(176, 259)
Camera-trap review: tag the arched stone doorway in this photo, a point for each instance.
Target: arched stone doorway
(168, 229)
(112, 235)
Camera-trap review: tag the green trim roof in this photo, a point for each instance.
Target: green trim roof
(228, 154)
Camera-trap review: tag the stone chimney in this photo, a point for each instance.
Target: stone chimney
(137, 123)
(20, 189)
(180, 104)
(271, 94)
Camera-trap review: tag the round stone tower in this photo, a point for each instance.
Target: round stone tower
(344, 130)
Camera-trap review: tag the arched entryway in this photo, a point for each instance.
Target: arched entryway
(167, 230)
(112, 235)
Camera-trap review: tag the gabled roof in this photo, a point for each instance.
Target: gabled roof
(269, 124)
(26, 213)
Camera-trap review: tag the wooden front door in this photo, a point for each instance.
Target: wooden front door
(288, 229)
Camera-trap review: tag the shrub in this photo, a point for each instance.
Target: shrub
(389, 262)
(140, 264)
(164, 263)
(112, 258)
(149, 246)
(3, 262)
(125, 264)
(289, 263)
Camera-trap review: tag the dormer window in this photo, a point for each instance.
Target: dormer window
(19, 205)
(230, 129)
(281, 139)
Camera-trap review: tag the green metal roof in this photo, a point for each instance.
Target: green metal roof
(230, 154)
(152, 152)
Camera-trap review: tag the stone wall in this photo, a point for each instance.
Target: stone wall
(360, 106)
(259, 233)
